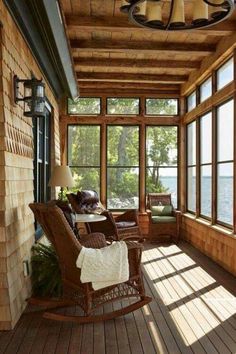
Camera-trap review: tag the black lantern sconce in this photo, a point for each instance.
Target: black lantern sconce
(33, 97)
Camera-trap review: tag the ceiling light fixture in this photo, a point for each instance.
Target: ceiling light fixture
(174, 15)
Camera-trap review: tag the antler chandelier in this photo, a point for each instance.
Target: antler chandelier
(177, 14)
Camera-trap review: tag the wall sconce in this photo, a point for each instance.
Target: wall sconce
(33, 97)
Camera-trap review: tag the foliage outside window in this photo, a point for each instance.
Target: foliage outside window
(225, 74)
(161, 160)
(206, 164)
(84, 156)
(123, 167)
(225, 155)
(85, 106)
(191, 101)
(161, 106)
(191, 167)
(205, 89)
(123, 106)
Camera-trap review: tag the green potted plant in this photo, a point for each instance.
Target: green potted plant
(46, 275)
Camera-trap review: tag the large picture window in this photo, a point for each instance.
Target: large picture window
(161, 160)
(122, 167)
(225, 146)
(191, 167)
(84, 155)
(212, 160)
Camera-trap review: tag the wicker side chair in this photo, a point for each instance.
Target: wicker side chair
(122, 227)
(164, 220)
(75, 293)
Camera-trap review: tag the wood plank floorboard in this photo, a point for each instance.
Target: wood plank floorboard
(193, 311)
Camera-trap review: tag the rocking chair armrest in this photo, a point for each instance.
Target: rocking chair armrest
(93, 240)
(133, 245)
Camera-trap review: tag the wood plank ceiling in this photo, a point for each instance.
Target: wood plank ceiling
(112, 55)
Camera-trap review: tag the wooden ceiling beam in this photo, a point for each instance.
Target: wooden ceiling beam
(143, 47)
(87, 85)
(131, 63)
(119, 24)
(128, 92)
(123, 77)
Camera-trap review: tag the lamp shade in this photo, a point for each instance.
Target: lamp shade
(61, 177)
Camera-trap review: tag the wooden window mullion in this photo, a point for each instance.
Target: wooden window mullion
(234, 153)
(198, 167)
(214, 167)
(103, 163)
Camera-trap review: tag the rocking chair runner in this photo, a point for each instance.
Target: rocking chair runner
(67, 248)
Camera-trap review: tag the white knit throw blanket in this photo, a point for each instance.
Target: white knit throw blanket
(104, 267)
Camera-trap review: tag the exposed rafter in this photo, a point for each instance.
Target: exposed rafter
(118, 24)
(130, 63)
(99, 85)
(122, 77)
(145, 47)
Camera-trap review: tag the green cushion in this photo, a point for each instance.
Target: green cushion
(163, 219)
(162, 210)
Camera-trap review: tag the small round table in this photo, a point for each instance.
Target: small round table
(89, 217)
(84, 218)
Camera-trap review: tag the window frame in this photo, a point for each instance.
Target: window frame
(216, 74)
(191, 166)
(162, 115)
(139, 159)
(100, 142)
(123, 114)
(45, 194)
(178, 157)
(217, 163)
(86, 114)
(199, 88)
(196, 101)
(209, 218)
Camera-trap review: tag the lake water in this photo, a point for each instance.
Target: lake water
(224, 202)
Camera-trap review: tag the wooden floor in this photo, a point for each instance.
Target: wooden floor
(193, 311)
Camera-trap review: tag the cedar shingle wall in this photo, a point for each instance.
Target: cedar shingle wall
(16, 172)
(215, 244)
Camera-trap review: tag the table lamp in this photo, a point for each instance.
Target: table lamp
(61, 177)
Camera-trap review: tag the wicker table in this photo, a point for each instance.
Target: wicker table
(89, 217)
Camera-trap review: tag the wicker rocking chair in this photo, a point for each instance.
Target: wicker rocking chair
(75, 293)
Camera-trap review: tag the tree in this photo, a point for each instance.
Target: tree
(161, 151)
